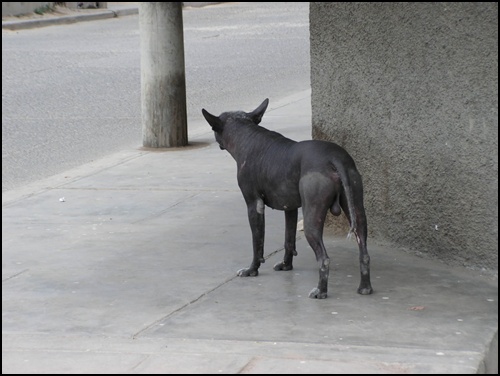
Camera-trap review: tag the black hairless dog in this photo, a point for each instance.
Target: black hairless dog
(286, 175)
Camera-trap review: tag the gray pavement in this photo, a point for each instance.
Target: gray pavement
(128, 265)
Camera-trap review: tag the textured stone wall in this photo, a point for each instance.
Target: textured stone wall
(411, 91)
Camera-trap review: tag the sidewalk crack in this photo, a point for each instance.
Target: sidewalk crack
(14, 275)
(156, 322)
(136, 335)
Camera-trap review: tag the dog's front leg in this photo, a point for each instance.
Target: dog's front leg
(257, 225)
(290, 238)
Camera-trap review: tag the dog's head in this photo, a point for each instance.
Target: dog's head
(218, 123)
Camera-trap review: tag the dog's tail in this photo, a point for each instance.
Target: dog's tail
(346, 179)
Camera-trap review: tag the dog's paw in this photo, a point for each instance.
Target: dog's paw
(282, 266)
(365, 290)
(247, 272)
(317, 294)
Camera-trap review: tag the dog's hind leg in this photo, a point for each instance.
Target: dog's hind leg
(361, 231)
(314, 220)
(290, 237)
(317, 192)
(257, 225)
(365, 287)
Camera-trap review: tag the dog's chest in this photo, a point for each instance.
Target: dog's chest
(275, 184)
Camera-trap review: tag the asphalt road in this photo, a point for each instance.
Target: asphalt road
(71, 93)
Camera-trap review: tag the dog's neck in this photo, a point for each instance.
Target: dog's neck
(243, 137)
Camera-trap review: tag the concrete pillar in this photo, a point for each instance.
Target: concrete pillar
(163, 82)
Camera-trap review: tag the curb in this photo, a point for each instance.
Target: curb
(64, 20)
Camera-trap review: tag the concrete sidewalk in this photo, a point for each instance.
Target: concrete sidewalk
(128, 265)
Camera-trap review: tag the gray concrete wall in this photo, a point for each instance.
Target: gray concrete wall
(17, 9)
(411, 91)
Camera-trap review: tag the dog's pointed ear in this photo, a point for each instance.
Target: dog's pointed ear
(257, 114)
(214, 121)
